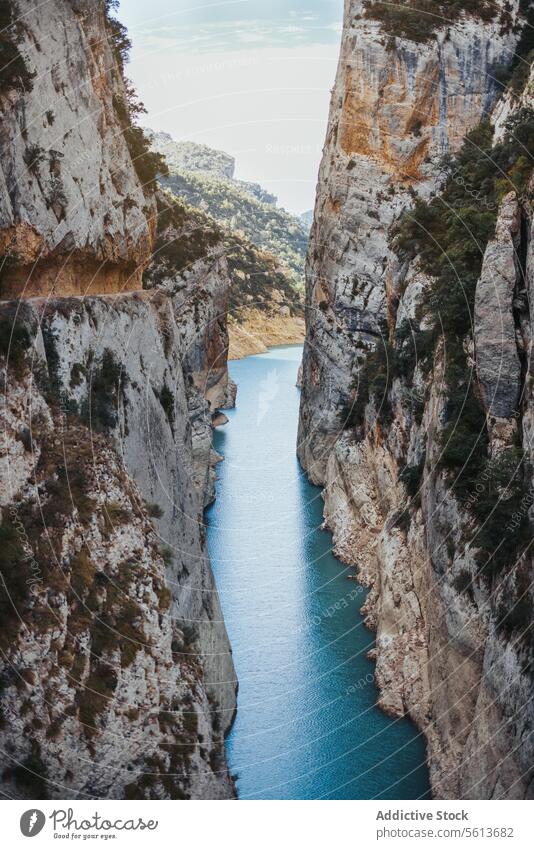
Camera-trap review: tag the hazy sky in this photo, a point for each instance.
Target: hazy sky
(251, 77)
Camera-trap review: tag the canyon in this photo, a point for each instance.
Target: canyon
(119, 306)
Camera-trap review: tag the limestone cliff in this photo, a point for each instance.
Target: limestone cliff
(108, 427)
(116, 673)
(76, 216)
(416, 411)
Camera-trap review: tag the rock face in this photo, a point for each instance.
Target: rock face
(117, 393)
(395, 110)
(116, 676)
(498, 364)
(74, 215)
(452, 633)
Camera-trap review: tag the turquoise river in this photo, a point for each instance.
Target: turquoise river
(307, 726)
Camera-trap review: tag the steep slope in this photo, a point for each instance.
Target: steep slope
(263, 306)
(246, 208)
(415, 408)
(76, 215)
(203, 160)
(117, 677)
(265, 246)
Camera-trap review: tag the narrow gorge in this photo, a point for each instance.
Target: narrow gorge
(363, 523)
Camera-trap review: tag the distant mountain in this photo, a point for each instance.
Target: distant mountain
(265, 246)
(203, 178)
(190, 156)
(306, 219)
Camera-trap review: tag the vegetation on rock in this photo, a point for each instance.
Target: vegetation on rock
(107, 381)
(147, 163)
(265, 226)
(14, 74)
(418, 20)
(448, 235)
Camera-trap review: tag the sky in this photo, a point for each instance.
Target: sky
(250, 77)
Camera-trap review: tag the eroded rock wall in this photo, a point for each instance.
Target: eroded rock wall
(396, 108)
(116, 674)
(75, 217)
(113, 393)
(452, 650)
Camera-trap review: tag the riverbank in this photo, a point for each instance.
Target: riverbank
(307, 725)
(258, 331)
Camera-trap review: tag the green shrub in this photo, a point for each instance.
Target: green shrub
(66, 492)
(517, 73)
(95, 696)
(167, 554)
(450, 232)
(115, 514)
(154, 511)
(255, 274)
(501, 509)
(118, 34)
(412, 478)
(33, 156)
(463, 582)
(245, 218)
(15, 342)
(464, 438)
(401, 519)
(190, 632)
(147, 163)
(166, 399)
(413, 346)
(516, 609)
(14, 73)
(106, 384)
(164, 599)
(132, 637)
(14, 575)
(30, 775)
(418, 20)
(185, 235)
(415, 401)
(77, 374)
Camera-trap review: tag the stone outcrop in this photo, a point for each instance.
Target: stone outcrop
(75, 217)
(116, 674)
(497, 355)
(453, 646)
(395, 110)
(119, 389)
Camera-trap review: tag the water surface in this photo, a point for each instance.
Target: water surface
(307, 726)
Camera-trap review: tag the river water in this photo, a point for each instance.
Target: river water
(307, 726)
